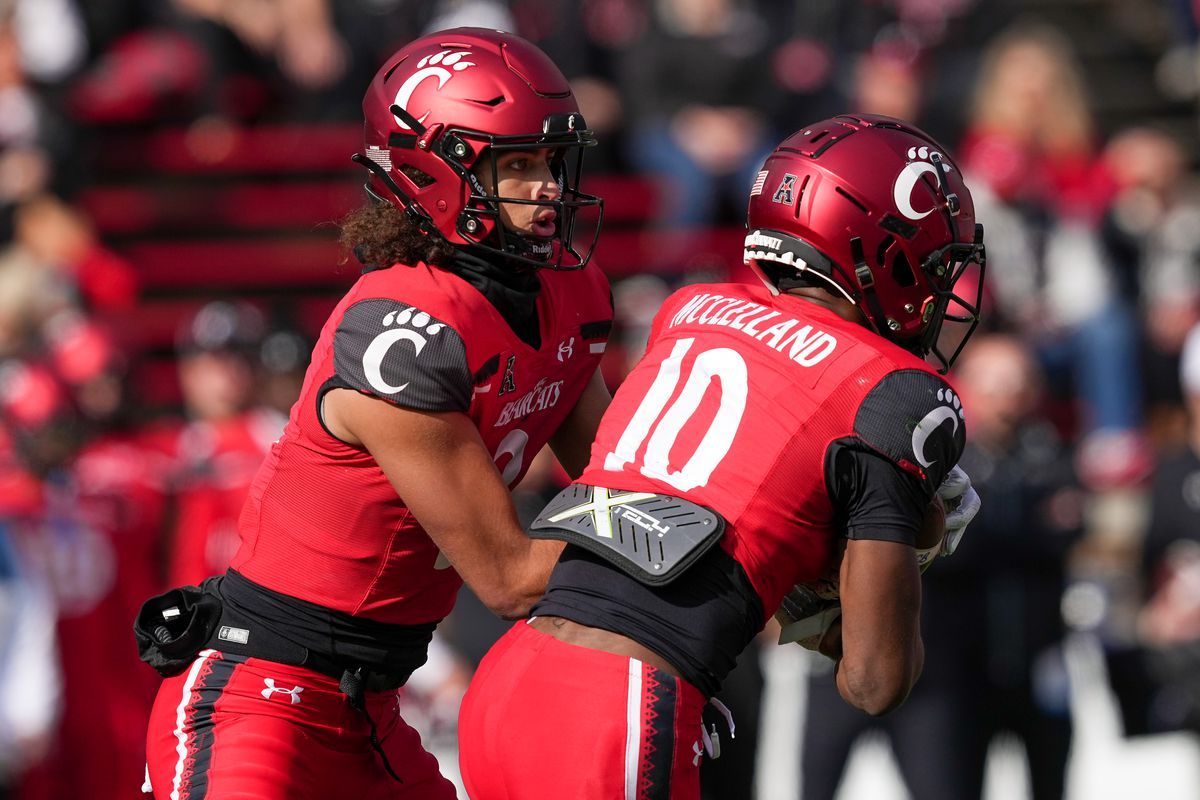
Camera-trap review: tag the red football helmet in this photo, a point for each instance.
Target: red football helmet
(872, 208)
(445, 101)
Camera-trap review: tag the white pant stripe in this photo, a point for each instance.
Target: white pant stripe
(181, 719)
(633, 728)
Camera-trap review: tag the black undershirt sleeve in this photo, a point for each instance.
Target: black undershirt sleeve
(874, 498)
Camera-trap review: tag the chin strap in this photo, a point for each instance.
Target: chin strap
(866, 280)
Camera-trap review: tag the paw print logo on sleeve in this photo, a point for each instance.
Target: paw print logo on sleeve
(950, 409)
(411, 326)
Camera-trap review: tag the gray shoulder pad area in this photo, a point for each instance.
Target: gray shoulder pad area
(915, 419)
(402, 354)
(651, 537)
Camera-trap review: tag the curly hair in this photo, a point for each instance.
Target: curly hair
(379, 235)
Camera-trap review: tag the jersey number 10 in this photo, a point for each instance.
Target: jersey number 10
(724, 365)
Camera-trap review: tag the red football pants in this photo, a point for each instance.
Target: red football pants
(544, 719)
(229, 727)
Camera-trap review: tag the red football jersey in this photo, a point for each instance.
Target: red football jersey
(735, 405)
(322, 522)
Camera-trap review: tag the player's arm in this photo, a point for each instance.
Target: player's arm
(440, 467)
(880, 637)
(572, 442)
(911, 417)
(877, 641)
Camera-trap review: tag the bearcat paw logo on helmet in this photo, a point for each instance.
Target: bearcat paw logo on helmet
(949, 408)
(413, 327)
(431, 66)
(922, 161)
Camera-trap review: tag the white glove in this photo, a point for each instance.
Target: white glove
(962, 504)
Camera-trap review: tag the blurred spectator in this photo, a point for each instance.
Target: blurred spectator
(30, 680)
(299, 34)
(635, 302)
(283, 359)
(471, 14)
(24, 162)
(224, 439)
(1169, 624)
(991, 620)
(293, 59)
(41, 429)
(54, 263)
(587, 40)
(51, 38)
(146, 74)
(888, 81)
(1156, 218)
(696, 87)
(93, 525)
(1042, 194)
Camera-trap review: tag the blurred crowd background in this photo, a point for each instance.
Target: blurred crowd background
(171, 174)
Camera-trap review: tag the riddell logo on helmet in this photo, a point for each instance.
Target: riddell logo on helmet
(441, 66)
(906, 181)
(757, 239)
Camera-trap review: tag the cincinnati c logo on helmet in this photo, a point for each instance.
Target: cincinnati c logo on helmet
(906, 181)
(434, 66)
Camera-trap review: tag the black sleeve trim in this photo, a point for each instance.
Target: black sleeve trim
(333, 383)
(873, 498)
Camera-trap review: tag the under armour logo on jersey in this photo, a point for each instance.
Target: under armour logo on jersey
(786, 192)
(566, 349)
(509, 384)
(414, 328)
(951, 410)
(292, 693)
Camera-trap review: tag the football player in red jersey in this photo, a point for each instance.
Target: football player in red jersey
(470, 342)
(766, 428)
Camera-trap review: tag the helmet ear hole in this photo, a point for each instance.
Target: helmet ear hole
(419, 177)
(902, 271)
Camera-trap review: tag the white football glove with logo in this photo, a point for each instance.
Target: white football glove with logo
(962, 504)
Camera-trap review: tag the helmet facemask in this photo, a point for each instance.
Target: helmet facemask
(945, 267)
(481, 221)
